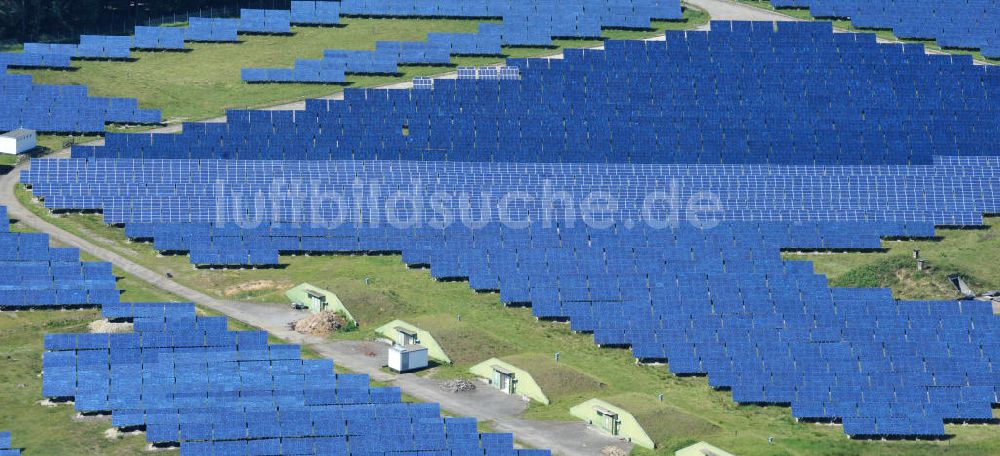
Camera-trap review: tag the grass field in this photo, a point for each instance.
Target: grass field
(690, 411)
(202, 83)
(667, 425)
(47, 430)
(886, 34)
(969, 252)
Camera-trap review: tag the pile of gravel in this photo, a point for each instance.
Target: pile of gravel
(321, 324)
(458, 386)
(613, 451)
(105, 326)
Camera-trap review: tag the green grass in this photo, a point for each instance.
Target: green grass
(969, 252)
(886, 34)
(693, 410)
(204, 82)
(47, 430)
(668, 426)
(559, 381)
(59, 142)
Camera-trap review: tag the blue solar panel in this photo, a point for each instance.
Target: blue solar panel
(315, 13)
(168, 38)
(212, 30)
(265, 21)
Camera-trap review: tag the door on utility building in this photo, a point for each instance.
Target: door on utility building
(504, 381)
(317, 301)
(608, 421)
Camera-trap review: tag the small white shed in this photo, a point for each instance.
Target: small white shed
(408, 358)
(17, 141)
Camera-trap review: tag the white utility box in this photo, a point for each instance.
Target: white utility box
(407, 359)
(17, 141)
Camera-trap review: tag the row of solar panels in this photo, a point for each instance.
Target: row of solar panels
(338, 63)
(540, 236)
(966, 24)
(185, 190)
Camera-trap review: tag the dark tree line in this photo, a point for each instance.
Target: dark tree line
(65, 20)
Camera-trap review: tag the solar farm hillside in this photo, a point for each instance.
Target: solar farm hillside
(444, 227)
(204, 79)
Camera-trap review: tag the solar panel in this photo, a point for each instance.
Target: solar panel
(422, 83)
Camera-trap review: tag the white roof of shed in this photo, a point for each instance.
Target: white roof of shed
(18, 134)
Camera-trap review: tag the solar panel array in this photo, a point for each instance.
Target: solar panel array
(718, 302)
(63, 108)
(55, 108)
(524, 24)
(5, 449)
(187, 379)
(33, 275)
(973, 24)
(864, 141)
(743, 93)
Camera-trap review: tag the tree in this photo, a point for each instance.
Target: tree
(66, 20)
